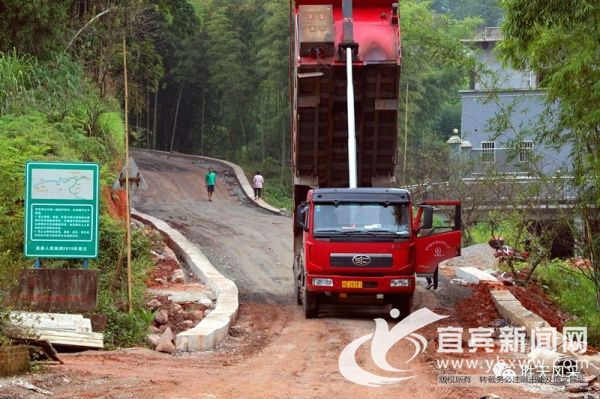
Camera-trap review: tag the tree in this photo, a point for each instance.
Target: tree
(434, 67)
(560, 39)
(31, 26)
(488, 10)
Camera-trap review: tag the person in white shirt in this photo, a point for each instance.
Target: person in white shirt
(257, 184)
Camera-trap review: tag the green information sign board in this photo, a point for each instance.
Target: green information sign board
(61, 210)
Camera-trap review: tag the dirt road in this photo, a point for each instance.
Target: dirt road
(272, 351)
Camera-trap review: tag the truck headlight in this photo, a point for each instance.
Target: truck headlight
(400, 282)
(323, 282)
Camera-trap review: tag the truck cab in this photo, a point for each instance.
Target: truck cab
(368, 245)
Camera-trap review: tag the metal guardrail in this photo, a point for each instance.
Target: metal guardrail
(489, 34)
(501, 191)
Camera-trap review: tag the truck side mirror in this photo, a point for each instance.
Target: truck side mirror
(427, 217)
(301, 216)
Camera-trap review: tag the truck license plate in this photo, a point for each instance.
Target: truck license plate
(351, 284)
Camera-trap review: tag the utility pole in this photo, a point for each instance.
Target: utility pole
(405, 137)
(127, 202)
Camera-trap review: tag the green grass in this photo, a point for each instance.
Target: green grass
(574, 294)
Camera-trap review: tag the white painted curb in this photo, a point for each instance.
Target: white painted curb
(236, 169)
(516, 314)
(215, 326)
(473, 275)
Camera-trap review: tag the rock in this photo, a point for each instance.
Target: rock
(178, 276)
(165, 343)
(155, 330)
(508, 281)
(183, 345)
(161, 317)
(152, 340)
(490, 396)
(583, 396)
(458, 281)
(161, 281)
(500, 323)
(578, 387)
(177, 307)
(188, 324)
(154, 304)
(589, 379)
(206, 302)
(162, 328)
(197, 315)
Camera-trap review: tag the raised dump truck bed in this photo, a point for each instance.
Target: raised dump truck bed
(319, 127)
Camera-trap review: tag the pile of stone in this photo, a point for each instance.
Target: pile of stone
(588, 388)
(170, 319)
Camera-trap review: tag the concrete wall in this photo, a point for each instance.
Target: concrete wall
(506, 77)
(528, 105)
(59, 290)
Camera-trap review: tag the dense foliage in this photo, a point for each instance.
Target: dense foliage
(50, 111)
(561, 40)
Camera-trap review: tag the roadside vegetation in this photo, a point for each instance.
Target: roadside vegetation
(561, 279)
(50, 111)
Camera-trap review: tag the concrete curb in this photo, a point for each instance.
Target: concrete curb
(236, 169)
(516, 314)
(474, 275)
(215, 326)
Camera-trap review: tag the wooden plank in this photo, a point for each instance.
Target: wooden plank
(386, 104)
(361, 132)
(52, 321)
(316, 129)
(376, 128)
(308, 101)
(42, 346)
(330, 122)
(73, 339)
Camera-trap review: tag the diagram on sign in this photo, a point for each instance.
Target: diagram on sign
(62, 184)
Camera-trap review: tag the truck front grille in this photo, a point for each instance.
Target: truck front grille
(360, 260)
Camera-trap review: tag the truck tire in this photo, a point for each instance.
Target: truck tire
(297, 291)
(403, 302)
(298, 270)
(310, 300)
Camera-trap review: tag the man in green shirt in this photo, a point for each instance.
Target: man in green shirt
(211, 179)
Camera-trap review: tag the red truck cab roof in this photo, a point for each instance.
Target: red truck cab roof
(363, 194)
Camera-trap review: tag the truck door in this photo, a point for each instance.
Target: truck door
(437, 234)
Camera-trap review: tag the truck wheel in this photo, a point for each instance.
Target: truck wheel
(298, 270)
(297, 283)
(403, 302)
(310, 300)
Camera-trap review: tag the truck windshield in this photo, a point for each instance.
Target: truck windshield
(361, 218)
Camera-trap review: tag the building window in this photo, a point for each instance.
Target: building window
(488, 151)
(525, 151)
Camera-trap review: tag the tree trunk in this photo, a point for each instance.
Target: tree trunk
(283, 135)
(148, 131)
(154, 132)
(175, 119)
(203, 115)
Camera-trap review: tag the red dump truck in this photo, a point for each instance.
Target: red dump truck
(355, 239)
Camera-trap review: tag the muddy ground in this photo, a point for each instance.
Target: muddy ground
(272, 351)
